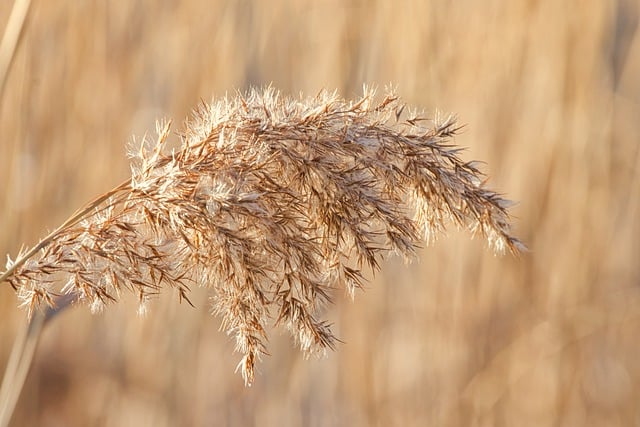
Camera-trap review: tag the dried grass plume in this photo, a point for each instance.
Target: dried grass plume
(272, 203)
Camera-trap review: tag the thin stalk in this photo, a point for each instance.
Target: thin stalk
(22, 354)
(72, 220)
(18, 366)
(11, 37)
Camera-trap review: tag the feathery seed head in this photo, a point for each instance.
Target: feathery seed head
(271, 202)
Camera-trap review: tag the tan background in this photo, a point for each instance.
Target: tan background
(550, 94)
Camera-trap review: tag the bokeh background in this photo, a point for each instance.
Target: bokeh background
(550, 94)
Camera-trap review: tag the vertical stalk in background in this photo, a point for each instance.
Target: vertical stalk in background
(18, 366)
(22, 353)
(27, 340)
(11, 37)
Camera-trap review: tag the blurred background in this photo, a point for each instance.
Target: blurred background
(550, 95)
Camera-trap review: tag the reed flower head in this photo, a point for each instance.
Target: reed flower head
(272, 203)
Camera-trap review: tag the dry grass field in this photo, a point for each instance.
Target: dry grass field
(550, 95)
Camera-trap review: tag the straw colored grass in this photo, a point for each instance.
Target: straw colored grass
(272, 203)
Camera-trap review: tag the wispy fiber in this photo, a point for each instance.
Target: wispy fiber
(272, 203)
